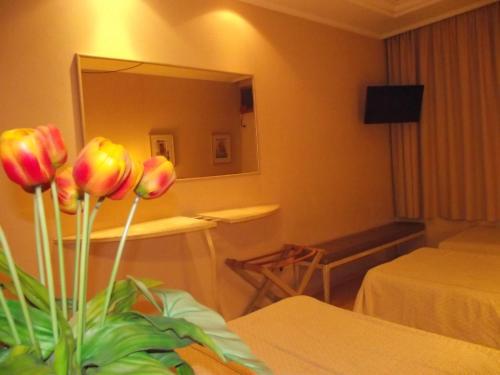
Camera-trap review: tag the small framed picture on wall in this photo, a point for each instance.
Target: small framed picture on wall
(163, 145)
(221, 148)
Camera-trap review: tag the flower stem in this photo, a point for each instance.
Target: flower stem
(19, 292)
(8, 315)
(121, 247)
(82, 287)
(93, 215)
(60, 250)
(39, 255)
(78, 249)
(79, 246)
(48, 262)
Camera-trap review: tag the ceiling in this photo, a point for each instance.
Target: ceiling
(375, 18)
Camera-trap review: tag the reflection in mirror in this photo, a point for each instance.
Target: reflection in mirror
(203, 121)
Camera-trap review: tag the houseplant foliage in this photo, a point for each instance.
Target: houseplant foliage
(102, 335)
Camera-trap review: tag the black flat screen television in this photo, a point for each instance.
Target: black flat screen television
(389, 104)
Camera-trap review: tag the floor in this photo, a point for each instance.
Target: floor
(344, 295)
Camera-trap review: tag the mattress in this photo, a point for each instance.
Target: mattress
(452, 293)
(300, 335)
(480, 239)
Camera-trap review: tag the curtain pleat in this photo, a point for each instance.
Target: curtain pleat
(404, 137)
(448, 165)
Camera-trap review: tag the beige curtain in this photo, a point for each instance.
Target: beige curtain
(405, 137)
(449, 165)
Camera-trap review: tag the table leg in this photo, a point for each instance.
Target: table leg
(213, 261)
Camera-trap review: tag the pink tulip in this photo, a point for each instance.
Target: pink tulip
(130, 182)
(101, 167)
(54, 144)
(159, 175)
(25, 158)
(68, 192)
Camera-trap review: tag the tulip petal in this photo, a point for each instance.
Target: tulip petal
(25, 159)
(68, 192)
(54, 143)
(159, 175)
(130, 182)
(101, 167)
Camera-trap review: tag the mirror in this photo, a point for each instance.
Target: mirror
(203, 121)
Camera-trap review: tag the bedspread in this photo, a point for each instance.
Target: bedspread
(300, 335)
(452, 293)
(480, 239)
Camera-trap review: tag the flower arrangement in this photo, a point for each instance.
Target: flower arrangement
(103, 335)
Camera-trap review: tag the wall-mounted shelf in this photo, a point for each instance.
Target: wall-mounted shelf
(150, 229)
(238, 215)
(180, 225)
(161, 228)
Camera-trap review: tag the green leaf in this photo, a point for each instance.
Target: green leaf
(144, 289)
(183, 328)
(41, 325)
(169, 359)
(185, 369)
(124, 295)
(4, 352)
(180, 304)
(123, 334)
(134, 364)
(33, 290)
(64, 351)
(21, 361)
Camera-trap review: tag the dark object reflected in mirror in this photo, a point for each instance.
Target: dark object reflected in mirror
(177, 112)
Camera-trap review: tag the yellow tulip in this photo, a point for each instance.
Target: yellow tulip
(101, 167)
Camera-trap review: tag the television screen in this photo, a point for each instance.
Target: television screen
(388, 104)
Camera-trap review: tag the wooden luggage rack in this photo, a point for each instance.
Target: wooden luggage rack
(270, 266)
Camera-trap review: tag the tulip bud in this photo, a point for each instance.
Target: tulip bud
(54, 144)
(130, 182)
(159, 175)
(25, 159)
(101, 167)
(68, 192)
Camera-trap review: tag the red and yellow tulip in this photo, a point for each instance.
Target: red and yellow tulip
(130, 182)
(101, 167)
(54, 144)
(159, 175)
(25, 158)
(68, 192)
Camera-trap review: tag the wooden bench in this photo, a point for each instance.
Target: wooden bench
(359, 245)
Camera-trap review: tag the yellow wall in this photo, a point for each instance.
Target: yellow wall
(329, 172)
(128, 107)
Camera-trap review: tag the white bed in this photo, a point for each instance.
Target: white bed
(300, 335)
(480, 239)
(453, 293)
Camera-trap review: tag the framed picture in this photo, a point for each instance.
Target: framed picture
(221, 148)
(163, 144)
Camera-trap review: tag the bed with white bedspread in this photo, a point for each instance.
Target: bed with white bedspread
(301, 335)
(452, 293)
(480, 239)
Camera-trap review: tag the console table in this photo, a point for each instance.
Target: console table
(238, 215)
(162, 228)
(183, 224)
